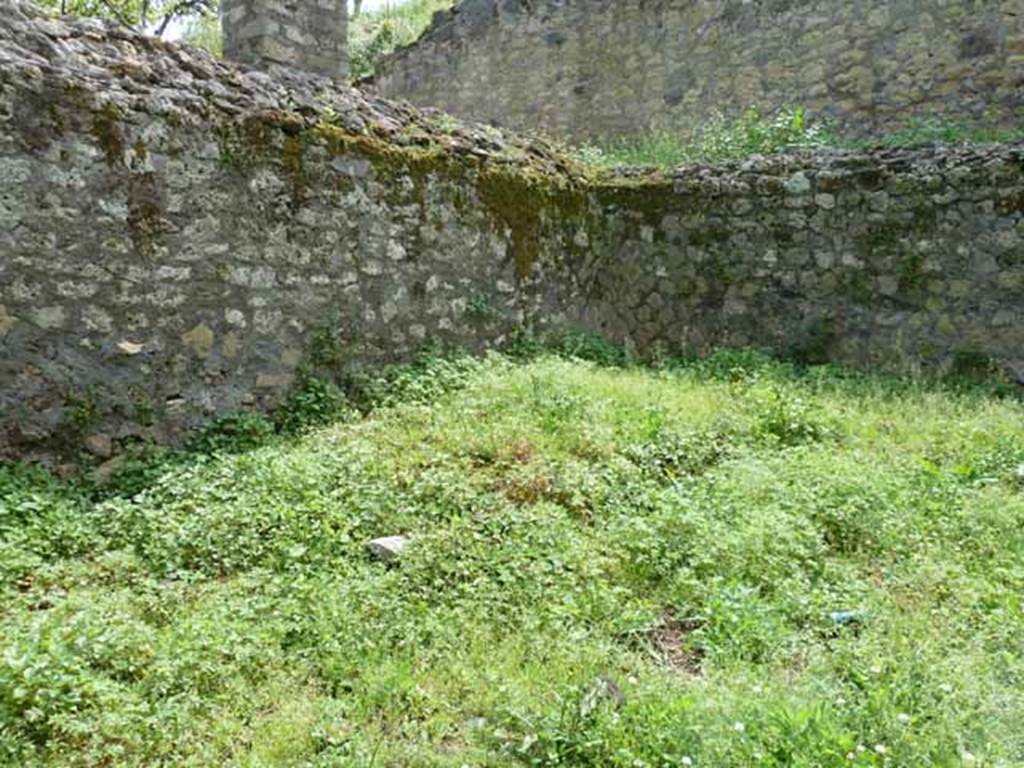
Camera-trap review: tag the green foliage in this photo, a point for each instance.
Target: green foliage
(314, 403)
(524, 344)
(204, 31)
(142, 15)
(939, 130)
(783, 417)
(610, 565)
(753, 133)
(972, 364)
(718, 138)
(672, 455)
(83, 409)
(373, 35)
(431, 376)
(233, 433)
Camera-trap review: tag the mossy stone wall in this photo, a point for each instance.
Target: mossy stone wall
(169, 254)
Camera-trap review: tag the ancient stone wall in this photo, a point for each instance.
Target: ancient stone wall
(180, 238)
(895, 260)
(309, 35)
(594, 69)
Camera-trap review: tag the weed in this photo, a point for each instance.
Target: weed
(83, 409)
(721, 138)
(314, 403)
(718, 138)
(612, 565)
(670, 456)
(783, 417)
(234, 433)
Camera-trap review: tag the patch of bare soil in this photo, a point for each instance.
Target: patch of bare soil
(673, 639)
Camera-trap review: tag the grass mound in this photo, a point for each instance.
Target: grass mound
(723, 563)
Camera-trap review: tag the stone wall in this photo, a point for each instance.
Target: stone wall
(177, 235)
(594, 69)
(898, 260)
(179, 238)
(310, 35)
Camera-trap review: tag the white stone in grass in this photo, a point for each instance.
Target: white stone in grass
(388, 547)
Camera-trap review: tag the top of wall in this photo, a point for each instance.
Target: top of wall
(112, 67)
(470, 18)
(109, 67)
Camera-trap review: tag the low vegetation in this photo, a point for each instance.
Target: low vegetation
(755, 133)
(730, 562)
(719, 138)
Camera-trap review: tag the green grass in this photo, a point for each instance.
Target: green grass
(718, 138)
(753, 133)
(611, 566)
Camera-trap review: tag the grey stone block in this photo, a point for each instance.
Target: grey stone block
(387, 548)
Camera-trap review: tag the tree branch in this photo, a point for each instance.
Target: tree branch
(117, 14)
(181, 8)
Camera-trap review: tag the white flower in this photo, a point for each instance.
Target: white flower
(739, 727)
(967, 757)
(903, 717)
(880, 749)
(686, 760)
(850, 756)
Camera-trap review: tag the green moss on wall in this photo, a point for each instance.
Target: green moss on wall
(293, 153)
(106, 130)
(145, 212)
(519, 196)
(517, 202)
(883, 237)
(911, 275)
(857, 286)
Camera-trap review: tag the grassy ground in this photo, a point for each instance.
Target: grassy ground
(610, 567)
(719, 138)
